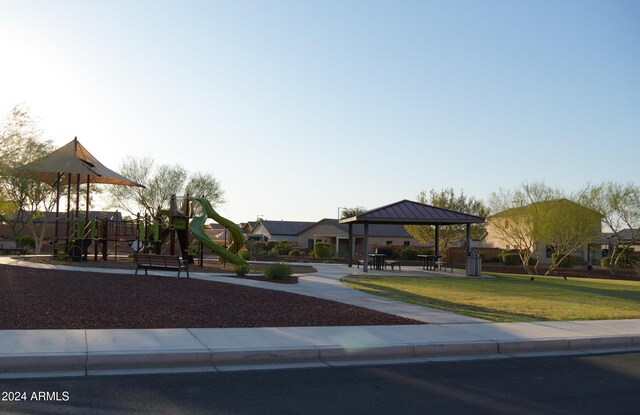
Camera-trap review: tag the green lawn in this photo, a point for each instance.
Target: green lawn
(512, 297)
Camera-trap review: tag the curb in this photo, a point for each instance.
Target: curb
(88, 363)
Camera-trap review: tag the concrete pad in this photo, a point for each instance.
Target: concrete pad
(255, 338)
(597, 327)
(135, 348)
(46, 350)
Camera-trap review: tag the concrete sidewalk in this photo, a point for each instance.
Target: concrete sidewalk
(450, 336)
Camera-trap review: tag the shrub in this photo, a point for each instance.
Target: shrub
(277, 271)
(294, 252)
(605, 262)
(409, 253)
(244, 253)
(565, 263)
(258, 249)
(241, 270)
(511, 259)
(27, 241)
(322, 250)
(270, 245)
(282, 247)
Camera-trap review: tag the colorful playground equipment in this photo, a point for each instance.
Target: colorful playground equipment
(175, 231)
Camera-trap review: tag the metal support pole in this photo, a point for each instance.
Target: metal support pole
(350, 263)
(365, 255)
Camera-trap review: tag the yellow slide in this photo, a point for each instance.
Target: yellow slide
(196, 226)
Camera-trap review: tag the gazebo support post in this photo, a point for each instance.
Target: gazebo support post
(350, 246)
(468, 239)
(68, 227)
(365, 254)
(437, 242)
(55, 238)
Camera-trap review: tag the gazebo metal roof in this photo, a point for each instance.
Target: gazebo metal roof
(406, 212)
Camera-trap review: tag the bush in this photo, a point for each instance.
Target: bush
(270, 245)
(241, 270)
(322, 250)
(282, 247)
(258, 249)
(565, 263)
(244, 253)
(511, 259)
(277, 271)
(409, 253)
(294, 252)
(27, 241)
(605, 262)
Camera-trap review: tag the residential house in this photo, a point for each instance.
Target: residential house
(279, 230)
(519, 218)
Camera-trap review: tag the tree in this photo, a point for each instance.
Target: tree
(619, 205)
(537, 217)
(23, 200)
(161, 182)
(349, 212)
(450, 235)
(517, 220)
(566, 227)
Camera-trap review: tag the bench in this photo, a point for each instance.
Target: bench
(164, 262)
(11, 247)
(392, 263)
(443, 265)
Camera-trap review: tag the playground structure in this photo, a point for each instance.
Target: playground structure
(175, 231)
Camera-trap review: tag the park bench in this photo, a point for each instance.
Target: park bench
(392, 263)
(443, 265)
(164, 262)
(11, 247)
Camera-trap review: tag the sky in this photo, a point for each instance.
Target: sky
(300, 108)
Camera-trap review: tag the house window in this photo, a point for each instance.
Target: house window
(406, 243)
(389, 243)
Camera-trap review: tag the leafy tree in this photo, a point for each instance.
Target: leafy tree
(567, 227)
(536, 217)
(349, 212)
(449, 235)
(517, 220)
(161, 182)
(619, 205)
(23, 200)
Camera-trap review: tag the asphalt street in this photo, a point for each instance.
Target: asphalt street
(535, 385)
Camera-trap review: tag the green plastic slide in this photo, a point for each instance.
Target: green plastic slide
(196, 226)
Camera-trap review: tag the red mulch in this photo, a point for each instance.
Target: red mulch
(52, 299)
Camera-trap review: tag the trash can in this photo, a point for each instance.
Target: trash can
(474, 264)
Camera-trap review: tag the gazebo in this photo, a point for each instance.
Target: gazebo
(406, 212)
(74, 165)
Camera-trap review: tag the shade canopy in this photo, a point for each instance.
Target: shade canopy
(406, 212)
(74, 161)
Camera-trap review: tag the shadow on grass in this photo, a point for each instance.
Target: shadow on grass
(439, 304)
(580, 286)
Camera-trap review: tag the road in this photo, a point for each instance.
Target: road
(541, 385)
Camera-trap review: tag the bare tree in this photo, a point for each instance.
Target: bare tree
(161, 182)
(619, 205)
(23, 199)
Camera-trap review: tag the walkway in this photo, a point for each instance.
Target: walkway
(450, 336)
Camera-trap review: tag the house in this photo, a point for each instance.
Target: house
(627, 237)
(278, 230)
(337, 235)
(508, 229)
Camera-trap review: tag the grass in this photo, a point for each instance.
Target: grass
(510, 297)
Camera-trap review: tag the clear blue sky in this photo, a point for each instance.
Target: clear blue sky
(300, 107)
